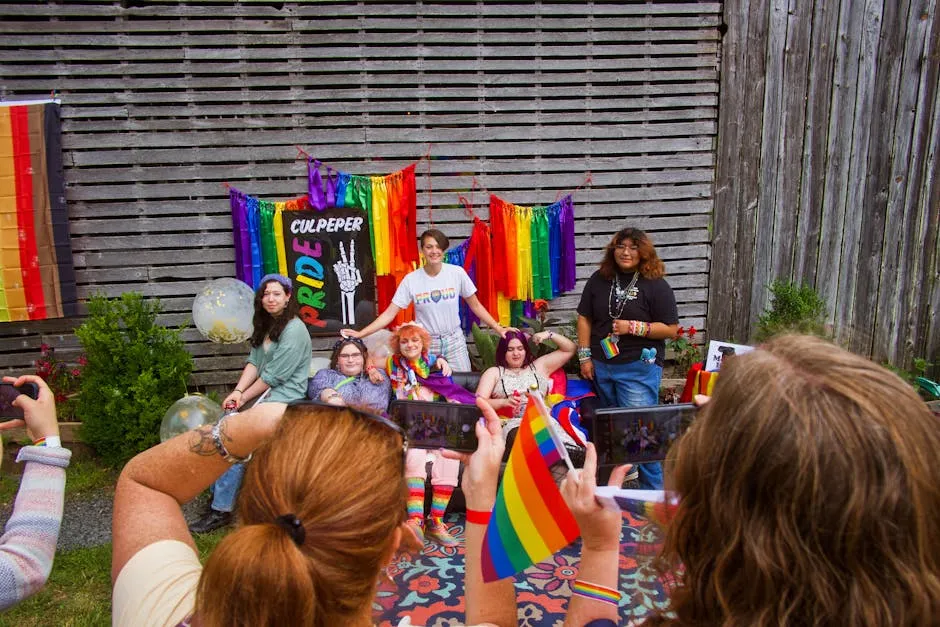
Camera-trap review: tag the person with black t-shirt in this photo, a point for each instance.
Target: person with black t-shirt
(626, 313)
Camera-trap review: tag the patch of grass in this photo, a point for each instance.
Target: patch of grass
(78, 593)
(88, 476)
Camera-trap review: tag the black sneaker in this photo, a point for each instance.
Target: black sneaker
(212, 521)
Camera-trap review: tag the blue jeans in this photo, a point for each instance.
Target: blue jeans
(225, 488)
(632, 384)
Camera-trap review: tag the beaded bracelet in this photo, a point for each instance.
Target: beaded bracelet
(595, 592)
(584, 354)
(220, 446)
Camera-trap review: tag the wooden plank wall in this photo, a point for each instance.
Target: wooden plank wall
(827, 169)
(162, 102)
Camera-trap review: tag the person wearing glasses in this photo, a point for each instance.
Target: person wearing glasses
(276, 372)
(435, 289)
(812, 502)
(626, 313)
(320, 515)
(351, 379)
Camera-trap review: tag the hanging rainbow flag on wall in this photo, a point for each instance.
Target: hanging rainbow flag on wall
(530, 520)
(37, 279)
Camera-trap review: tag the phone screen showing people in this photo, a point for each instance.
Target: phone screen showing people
(8, 392)
(633, 435)
(437, 425)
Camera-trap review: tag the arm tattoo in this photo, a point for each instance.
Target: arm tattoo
(201, 443)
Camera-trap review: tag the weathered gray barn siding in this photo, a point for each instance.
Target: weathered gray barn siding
(162, 102)
(827, 168)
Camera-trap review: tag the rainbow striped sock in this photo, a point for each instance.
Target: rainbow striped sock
(415, 497)
(441, 497)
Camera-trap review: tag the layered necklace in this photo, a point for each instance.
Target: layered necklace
(619, 295)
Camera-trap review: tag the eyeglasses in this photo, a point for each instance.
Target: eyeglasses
(358, 413)
(356, 355)
(623, 247)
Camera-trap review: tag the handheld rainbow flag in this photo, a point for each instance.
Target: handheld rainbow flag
(530, 520)
(653, 505)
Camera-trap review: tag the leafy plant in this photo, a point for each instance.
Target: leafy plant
(485, 342)
(63, 378)
(685, 350)
(136, 369)
(793, 309)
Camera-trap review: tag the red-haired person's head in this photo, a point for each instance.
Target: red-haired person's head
(318, 519)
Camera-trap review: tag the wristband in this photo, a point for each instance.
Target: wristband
(370, 368)
(49, 441)
(477, 517)
(595, 592)
(584, 354)
(239, 391)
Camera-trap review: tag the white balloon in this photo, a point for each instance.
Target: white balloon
(223, 311)
(188, 413)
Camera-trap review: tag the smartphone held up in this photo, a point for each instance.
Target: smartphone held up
(8, 393)
(431, 425)
(633, 435)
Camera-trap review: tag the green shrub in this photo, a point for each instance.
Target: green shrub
(793, 309)
(136, 370)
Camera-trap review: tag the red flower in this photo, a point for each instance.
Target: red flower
(691, 331)
(680, 332)
(76, 372)
(424, 584)
(44, 349)
(82, 361)
(540, 304)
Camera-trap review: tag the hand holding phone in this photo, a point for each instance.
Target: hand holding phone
(27, 400)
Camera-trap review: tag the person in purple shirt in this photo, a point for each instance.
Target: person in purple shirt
(350, 379)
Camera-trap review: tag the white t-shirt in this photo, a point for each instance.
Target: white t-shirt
(436, 299)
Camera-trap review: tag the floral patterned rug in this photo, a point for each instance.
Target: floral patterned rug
(429, 587)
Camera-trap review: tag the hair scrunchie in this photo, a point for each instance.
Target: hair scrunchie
(292, 525)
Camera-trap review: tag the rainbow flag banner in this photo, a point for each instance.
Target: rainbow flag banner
(530, 520)
(37, 279)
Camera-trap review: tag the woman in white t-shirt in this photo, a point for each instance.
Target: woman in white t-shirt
(321, 512)
(435, 290)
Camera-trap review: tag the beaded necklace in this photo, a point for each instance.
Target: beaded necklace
(621, 295)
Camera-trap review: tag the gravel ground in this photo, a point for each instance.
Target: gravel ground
(87, 518)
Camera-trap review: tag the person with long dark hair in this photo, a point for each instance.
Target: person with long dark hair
(626, 313)
(806, 493)
(276, 373)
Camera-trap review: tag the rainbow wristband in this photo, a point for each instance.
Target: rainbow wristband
(49, 441)
(595, 592)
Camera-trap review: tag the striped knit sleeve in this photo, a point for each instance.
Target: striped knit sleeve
(27, 546)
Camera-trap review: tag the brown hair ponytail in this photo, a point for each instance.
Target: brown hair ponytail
(340, 475)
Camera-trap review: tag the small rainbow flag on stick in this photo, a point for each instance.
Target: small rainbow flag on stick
(530, 520)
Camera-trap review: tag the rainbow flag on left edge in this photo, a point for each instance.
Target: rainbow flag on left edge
(530, 520)
(37, 279)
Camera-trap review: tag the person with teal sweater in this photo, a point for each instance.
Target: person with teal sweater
(276, 374)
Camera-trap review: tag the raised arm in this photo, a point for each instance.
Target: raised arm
(547, 364)
(154, 484)
(385, 318)
(477, 307)
(28, 545)
(494, 602)
(599, 570)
